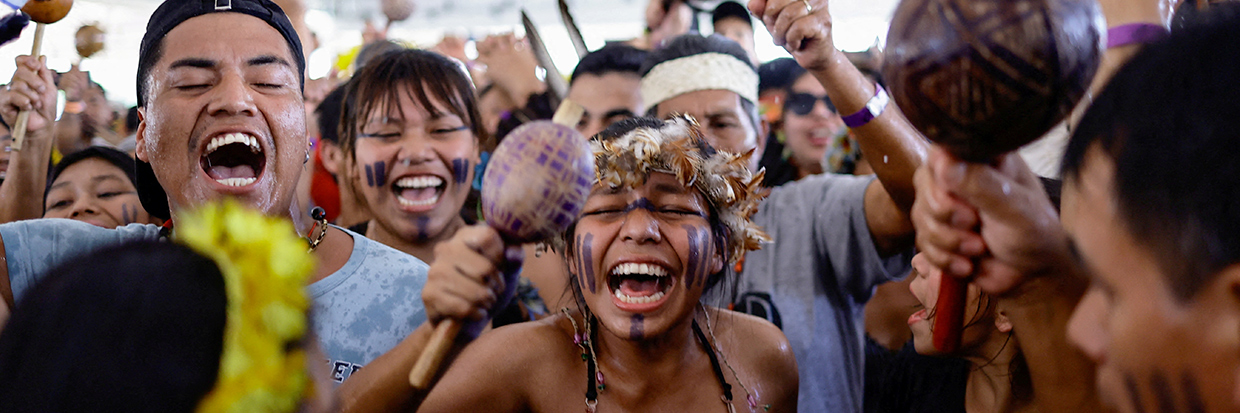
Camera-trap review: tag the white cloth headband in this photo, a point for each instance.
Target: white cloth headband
(704, 71)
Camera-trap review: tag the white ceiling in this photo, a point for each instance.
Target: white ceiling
(338, 22)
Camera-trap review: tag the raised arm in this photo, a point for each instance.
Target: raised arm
(32, 88)
(894, 147)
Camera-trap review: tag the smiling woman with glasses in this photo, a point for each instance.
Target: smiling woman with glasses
(813, 132)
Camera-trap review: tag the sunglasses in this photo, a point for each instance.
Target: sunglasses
(803, 103)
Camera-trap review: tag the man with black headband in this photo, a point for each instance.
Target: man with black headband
(220, 101)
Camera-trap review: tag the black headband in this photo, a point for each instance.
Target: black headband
(172, 13)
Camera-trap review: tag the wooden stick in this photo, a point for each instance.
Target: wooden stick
(434, 353)
(19, 127)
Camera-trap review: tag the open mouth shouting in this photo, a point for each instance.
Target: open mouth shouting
(234, 159)
(417, 193)
(639, 287)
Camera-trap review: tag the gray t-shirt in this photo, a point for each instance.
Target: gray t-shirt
(360, 311)
(813, 282)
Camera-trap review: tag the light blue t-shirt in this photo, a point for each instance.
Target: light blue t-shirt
(813, 282)
(360, 311)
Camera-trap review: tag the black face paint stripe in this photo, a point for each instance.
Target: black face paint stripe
(370, 176)
(422, 223)
(581, 269)
(708, 244)
(460, 170)
(380, 173)
(589, 260)
(695, 254)
(637, 330)
(641, 203)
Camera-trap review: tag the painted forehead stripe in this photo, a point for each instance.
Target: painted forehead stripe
(676, 148)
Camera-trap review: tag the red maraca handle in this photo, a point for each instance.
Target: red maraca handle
(949, 313)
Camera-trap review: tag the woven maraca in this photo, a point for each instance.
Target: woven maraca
(535, 186)
(537, 181)
(985, 77)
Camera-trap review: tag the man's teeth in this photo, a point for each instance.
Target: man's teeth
(633, 268)
(236, 181)
(229, 138)
(419, 182)
(637, 300)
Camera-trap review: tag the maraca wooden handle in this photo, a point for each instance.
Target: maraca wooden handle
(19, 129)
(432, 356)
(949, 313)
(23, 117)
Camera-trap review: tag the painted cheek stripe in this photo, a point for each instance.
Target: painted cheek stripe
(380, 173)
(580, 269)
(695, 254)
(460, 170)
(589, 261)
(708, 245)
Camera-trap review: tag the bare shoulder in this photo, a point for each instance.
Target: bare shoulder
(521, 343)
(761, 354)
(493, 372)
(763, 339)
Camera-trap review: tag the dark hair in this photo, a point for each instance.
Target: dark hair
(132, 120)
(372, 50)
(730, 9)
(695, 44)
(328, 114)
(421, 74)
(612, 58)
(1169, 121)
(115, 157)
(778, 74)
(133, 328)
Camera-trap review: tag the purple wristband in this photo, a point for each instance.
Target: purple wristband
(1133, 33)
(872, 109)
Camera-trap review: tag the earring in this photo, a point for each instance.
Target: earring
(307, 157)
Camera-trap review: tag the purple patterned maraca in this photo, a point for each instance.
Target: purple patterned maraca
(537, 181)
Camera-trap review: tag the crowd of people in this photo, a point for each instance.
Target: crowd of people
(759, 236)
